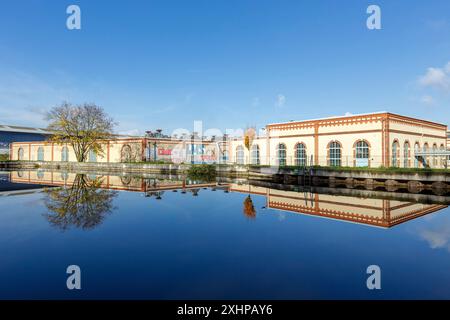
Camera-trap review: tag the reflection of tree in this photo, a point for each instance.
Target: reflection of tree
(82, 205)
(249, 208)
(195, 192)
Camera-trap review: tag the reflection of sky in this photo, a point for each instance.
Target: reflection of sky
(204, 247)
(437, 235)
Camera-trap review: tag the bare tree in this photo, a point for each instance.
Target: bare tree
(82, 126)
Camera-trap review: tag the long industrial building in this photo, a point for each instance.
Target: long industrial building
(380, 139)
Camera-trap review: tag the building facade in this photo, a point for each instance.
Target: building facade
(10, 134)
(123, 150)
(368, 140)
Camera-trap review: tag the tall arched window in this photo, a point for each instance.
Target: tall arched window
(416, 159)
(20, 154)
(435, 159)
(425, 158)
(255, 154)
(40, 174)
(40, 154)
(406, 155)
(395, 155)
(65, 154)
(334, 152)
(92, 156)
(240, 155)
(126, 154)
(64, 176)
(362, 154)
(442, 164)
(281, 154)
(300, 155)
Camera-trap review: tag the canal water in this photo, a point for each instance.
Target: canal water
(168, 237)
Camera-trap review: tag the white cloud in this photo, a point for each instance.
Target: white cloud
(427, 99)
(437, 78)
(133, 132)
(438, 236)
(281, 100)
(347, 114)
(447, 67)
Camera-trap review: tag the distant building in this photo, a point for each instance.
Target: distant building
(9, 134)
(132, 149)
(448, 140)
(367, 140)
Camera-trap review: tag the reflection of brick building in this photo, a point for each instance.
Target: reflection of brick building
(114, 182)
(375, 212)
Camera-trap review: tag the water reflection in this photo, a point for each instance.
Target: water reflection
(83, 204)
(369, 209)
(86, 200)
(249, 208)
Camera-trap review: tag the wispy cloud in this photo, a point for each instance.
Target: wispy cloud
(25, 98)
(132, 132)
(427, 99)
(281, 100)
(255, 102)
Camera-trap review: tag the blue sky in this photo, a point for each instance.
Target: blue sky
(230, 63)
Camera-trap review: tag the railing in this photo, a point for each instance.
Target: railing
(429, 160)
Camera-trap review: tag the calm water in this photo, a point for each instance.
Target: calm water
(169, 238)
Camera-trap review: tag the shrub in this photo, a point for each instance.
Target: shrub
(205, 172)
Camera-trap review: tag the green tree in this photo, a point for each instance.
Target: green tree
(84, 127)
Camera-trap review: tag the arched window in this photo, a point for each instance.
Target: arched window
(416, 159)
(334, 154)
(20, 154)
(40, 174)
(240, 155)
(425, 158)
(92, 156)
(406, 155)
(395, 155)
(362, 154)
(281, 154)
(64, 176)
(442, 148)
(126, 154)
(255, 154)
(40, 154)
(435, 159)
(300, 154)
(65, 154)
